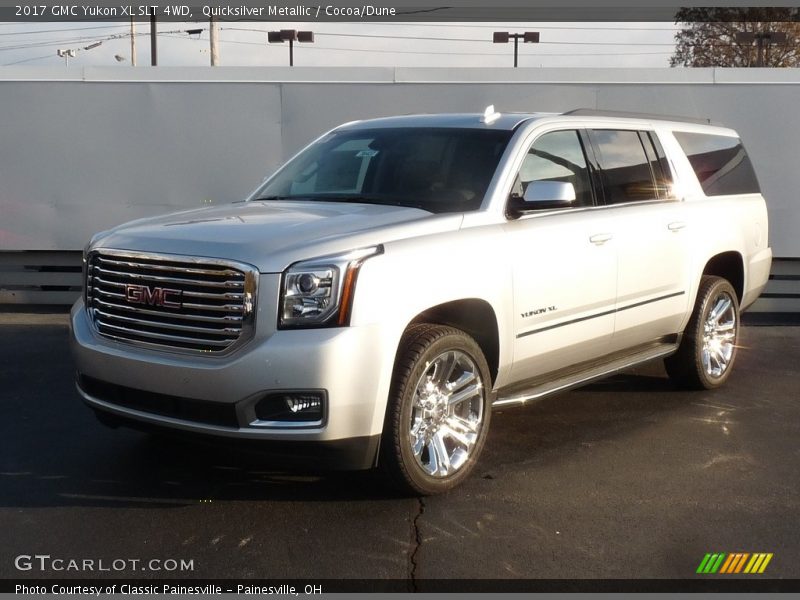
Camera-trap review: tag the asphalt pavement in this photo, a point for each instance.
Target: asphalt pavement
(626, 478)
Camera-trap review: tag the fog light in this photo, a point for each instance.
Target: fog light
(303, 402)
(291, 406)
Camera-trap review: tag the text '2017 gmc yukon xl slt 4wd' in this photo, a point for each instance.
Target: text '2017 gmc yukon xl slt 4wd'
(373, 299)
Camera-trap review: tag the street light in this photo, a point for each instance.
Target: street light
(67, 53)
(528, 37)
(292, 36)
(762, 40)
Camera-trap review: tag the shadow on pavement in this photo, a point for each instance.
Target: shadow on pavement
(55, 453)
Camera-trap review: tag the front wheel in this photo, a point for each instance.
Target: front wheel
(708, 348)
(438, 412)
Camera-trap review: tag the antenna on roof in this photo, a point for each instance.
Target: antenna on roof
(490, 115)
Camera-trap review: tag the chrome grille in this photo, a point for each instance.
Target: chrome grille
(176, 302)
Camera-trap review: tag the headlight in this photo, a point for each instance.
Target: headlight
(319, 292)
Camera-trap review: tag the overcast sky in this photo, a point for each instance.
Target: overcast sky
(346, 44)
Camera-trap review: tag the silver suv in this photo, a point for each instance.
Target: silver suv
(372, 301)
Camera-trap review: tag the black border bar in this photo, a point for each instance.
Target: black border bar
(707, 583)
(393, 11)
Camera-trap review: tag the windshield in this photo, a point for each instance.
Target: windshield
(438, 170)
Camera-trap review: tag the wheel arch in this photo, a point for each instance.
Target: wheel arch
(730, 266)
(474, 316)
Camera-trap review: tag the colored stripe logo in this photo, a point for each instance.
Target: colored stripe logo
(735, 562)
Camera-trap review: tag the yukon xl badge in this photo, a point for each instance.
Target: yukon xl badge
(144, 294)
(538, 311)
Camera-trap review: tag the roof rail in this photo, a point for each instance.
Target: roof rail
(591, 112)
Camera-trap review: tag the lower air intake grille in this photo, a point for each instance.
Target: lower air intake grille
(187, 409)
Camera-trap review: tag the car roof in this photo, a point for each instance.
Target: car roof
(511, 120)
(504, 121)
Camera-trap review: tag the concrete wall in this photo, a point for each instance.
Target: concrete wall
(82, 149)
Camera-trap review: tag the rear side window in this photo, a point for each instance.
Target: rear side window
(720, 163)
(659, 164)
(626, 167)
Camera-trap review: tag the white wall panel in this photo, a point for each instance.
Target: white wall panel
(84, 149)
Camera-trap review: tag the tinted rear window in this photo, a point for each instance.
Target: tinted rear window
(720, 163)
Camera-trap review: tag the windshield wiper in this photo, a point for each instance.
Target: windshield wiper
(355, 198)
(325, 198)
(349, 198)
(380, 200)
(264, 198)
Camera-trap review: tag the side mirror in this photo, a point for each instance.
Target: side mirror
(548, 194)
(542, 195)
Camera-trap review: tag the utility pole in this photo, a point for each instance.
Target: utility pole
(133, 42)
(213, 38)
(153, 42)
(529, 37)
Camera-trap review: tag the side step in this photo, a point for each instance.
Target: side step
(563, 382)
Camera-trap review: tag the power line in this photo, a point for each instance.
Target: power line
(24, 60)
(446, 39)
(460, 39)
(542, 55)
(442, 53)
(18, 44)
(47, 43)
(61, 30)
(478, 26)
(449, 39)
(528, 25)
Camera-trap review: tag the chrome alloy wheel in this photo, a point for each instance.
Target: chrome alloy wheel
(719, 335)
(446, 414)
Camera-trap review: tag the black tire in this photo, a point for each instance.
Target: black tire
(416, 403)
(699, 364)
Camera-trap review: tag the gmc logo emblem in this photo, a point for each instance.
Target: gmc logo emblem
(144, 294)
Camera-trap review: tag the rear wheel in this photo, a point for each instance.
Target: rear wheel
(708, 348)
(438, 412)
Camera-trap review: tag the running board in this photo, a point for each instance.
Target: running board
(575, 379)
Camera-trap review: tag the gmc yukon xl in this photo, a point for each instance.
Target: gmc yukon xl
(373, 300)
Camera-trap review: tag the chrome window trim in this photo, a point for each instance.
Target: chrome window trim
(583, 209)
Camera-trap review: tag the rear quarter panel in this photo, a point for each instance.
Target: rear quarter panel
(734, 223)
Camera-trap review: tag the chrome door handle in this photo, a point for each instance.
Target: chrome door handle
(600, 238)
(676, 226)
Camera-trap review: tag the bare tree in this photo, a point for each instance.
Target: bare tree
(709, 38)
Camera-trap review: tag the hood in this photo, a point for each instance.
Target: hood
(272, 235)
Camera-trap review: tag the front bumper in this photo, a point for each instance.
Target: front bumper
(341, 361)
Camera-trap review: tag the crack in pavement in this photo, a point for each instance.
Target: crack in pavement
(416, 539)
